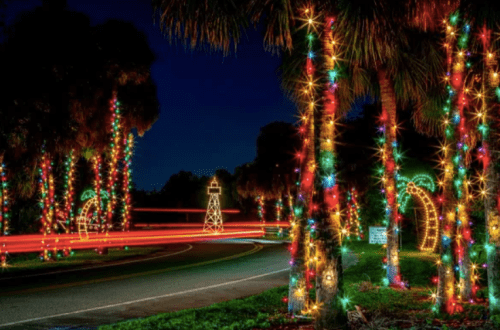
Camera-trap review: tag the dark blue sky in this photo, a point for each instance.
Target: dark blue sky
(212, 107)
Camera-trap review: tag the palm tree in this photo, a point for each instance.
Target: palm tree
(396, 68)
(484, 17)
(377, 60)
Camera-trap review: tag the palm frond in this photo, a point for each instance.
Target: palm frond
(217, 23)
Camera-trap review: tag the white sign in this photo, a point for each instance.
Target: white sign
(378, 235)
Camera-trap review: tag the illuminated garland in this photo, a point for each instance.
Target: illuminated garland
(390, 156)
(307, 185)
(47, 204)
(96, 165)
(291, 216)
(300, 283)
(4, 202)
(127, 173)
(452, 162)
(279, 207)
(69, 191)
(487, 96)
(261, 208)
(114, 158)
(4, 211)
(353, 217)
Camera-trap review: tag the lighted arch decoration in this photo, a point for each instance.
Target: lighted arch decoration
(87, 221)
(420, 186)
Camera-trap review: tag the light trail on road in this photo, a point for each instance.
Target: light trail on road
(40, 242)
(151, 209)
(254, 224)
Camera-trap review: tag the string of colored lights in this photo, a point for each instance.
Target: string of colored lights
(69, 191)
(486, 97)
(291, 217)
(445, 296)
(279, 207)
(114, 158)
(299, 300)
(461, 181)
(4, 202)
(96, 164)
(353, 215)
(4, 210)
(127, 174)
(261, 208)
(307, 186)
(47, 204)
(390, 156)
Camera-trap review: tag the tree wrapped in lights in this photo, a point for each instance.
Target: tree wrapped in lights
(279, 207)
(445, 299)
(261, 208)
(127, 173)
(115, 154)
(353, 215)
(4, 202)
(329, 286)
(487, 96)
(96, 166)
(299, 273)
(47, 203)
(4, 209)
(69, 192)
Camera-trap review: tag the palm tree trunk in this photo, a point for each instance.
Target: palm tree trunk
(446, 277)
(329, 277)
(465, 263)
(3, 217)
(296, 301)
(491, 206)
(4, 221)
(388, 98)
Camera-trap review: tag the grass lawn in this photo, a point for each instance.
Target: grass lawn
(31, 261)
(385, 308)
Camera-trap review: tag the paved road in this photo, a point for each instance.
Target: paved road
(200, 276)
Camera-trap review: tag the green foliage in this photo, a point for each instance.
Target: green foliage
(496, 319)
(417, 271)
(253, 312)
(385, 300)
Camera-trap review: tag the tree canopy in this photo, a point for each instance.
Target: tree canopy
(61, 72)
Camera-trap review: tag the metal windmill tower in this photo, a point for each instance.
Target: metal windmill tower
(213, 218)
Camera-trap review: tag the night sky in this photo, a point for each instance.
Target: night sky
(211, 106)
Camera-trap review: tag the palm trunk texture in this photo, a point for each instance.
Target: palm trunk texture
(493, 224)
(388, 98)
(446, 277)
(296, 303)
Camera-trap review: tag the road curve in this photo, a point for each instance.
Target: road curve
(206, 274)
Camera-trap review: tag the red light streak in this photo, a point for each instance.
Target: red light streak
(39, 242)
(150, 209)
(226, 224)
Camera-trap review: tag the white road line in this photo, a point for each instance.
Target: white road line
(98, 266)
(144, 299)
